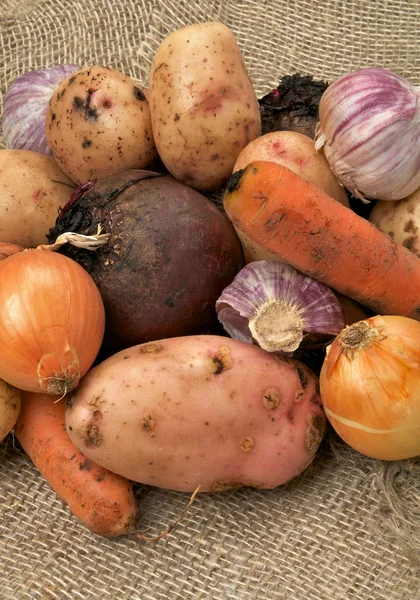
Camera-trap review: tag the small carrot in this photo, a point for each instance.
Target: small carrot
(280, 216)
(102, 500)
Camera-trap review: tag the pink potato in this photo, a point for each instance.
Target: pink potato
(194, 411)
(297, 152)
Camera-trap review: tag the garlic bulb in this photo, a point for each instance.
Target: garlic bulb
(279, 308)
(369, 130)
(25, 107)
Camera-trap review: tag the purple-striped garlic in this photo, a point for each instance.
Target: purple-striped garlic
(25, 107)
(278, 308)
(369, 130)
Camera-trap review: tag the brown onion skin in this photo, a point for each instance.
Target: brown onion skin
(170, 254)
(369, 387)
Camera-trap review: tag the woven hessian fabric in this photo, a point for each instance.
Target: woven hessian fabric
(348, 528)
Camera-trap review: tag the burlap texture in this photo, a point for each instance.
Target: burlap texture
(349, 527)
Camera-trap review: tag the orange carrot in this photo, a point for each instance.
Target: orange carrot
(280, 216)
(102, 500)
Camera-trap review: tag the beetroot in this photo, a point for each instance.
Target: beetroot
(170, 254)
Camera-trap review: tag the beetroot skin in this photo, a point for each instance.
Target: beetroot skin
(170, 254)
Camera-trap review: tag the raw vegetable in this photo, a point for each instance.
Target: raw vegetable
(98, 123)
(203, 410)
(400, 220)
(277, 213)
(353, 311)
(170, 254)
(370, 386)
(279, 308)
(25, 107)
(8, 249)
(297, 152)
(293, 105)
(9, 408)
(103, 501)
(32, 189)
(51, 321)
(203, 105)
(369, 131)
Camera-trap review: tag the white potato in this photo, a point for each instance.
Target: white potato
(400, 220)
(32, 189)
(98, 123)
(203, 105)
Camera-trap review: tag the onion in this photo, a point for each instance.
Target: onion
(25, 107)
(51, 321)
(370, 386)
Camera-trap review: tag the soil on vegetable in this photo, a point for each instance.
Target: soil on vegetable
(294, 106)
(271, 398)
(303, 376)
(93, 437)
(315, 432)
(222, 486)
(220, 362)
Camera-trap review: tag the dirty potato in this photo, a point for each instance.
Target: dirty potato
(203, 105)
(194, 411)
(98, 123)
(400, 220)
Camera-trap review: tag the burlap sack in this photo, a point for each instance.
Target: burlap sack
(349, 527)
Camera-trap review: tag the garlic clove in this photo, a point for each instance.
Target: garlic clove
(235, 324)
(279, 308)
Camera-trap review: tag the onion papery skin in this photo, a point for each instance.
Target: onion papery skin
(25, 107)
(371, 394)
(51, 321)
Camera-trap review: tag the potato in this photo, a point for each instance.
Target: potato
(297, 152)
(98, 123)
(198, 410)
(400, 220)
(203, 105)
(32, 189)
(9, 408)
(7, 250)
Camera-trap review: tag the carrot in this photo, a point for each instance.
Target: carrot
(280, 216)
(102, 500)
